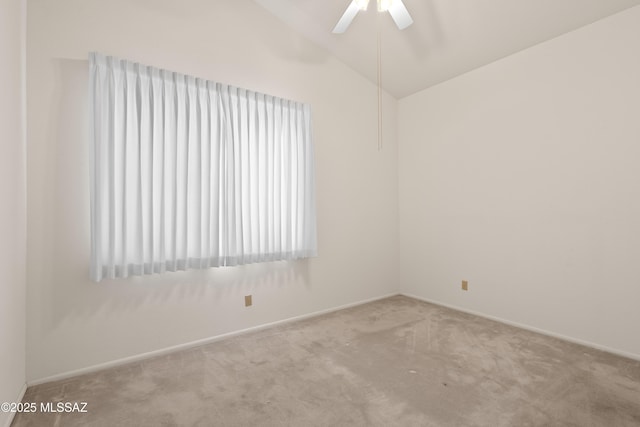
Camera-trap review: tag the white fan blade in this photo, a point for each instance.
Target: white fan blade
(347, 17)
(400, 14)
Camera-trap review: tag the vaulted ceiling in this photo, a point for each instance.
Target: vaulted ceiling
(448, 37)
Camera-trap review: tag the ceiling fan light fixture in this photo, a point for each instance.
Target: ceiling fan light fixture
(384, 5)
(362, 4)
(396, 9)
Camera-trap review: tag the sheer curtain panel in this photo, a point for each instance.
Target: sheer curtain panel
(190, 173)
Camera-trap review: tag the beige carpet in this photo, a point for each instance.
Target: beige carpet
(394, 362)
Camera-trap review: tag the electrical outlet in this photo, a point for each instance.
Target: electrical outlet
(247, 300)
(465, 285)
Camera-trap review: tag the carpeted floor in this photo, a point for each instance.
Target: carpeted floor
(394, 362)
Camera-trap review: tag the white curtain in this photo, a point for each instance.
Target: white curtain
(189, 173)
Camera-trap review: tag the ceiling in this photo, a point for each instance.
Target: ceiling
(448, 37)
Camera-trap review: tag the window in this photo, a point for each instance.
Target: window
(189, 173)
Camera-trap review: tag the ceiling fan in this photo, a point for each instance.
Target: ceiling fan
(396, 9)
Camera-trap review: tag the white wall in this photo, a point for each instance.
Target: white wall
(12, 205)
(522, 177)
(74, 323)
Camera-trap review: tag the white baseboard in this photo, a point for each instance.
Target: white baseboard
(138, 357)
(18, 399)
(530, 328)
(167, 350)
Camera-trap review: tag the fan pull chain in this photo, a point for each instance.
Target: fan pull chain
(379, 90)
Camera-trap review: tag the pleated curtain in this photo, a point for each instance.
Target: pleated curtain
(190, 173)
